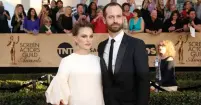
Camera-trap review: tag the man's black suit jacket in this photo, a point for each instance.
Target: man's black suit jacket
(130, 83)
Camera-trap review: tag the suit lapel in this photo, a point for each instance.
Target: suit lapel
(102, 48)
(120, 54)
(101, 52)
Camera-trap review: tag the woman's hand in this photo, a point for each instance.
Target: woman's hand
(171, 28)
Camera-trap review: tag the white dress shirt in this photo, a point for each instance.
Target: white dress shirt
(117, 43)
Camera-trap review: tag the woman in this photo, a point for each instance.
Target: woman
(173, 23)
(44, 13)
(47, 28)
(136, 24)
(92, 10)
(168, 11)
(78, 80)
(31, 22)
(18, 19)
(126, 11)
(147, 7)
(4, 17)
(187, 6)
(160, 9)
(166, 53)
(99, 23)
(65, 21)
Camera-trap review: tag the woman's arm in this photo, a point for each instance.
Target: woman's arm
(25, 25)
(37, 24)
(59, 86)
(142, 26)
(13, 21)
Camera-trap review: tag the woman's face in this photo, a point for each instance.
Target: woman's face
(93, 6)
(175, 16)
(33, 12)
(20, 9)
(135, 14)
(188, 5)
(161, 48)
(68, 10)
(84, 38)
(126, 8)
(44, 9)
(100, 13)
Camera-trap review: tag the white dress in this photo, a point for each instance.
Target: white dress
(78, 81)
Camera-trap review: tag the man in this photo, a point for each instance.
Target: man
(153, 25)
(80, 15)
(124, 63)
(54, 11)
(192, 21)
(84, 5)
(4, 17)
(60, 9)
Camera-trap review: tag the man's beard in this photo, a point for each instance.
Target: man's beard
(115, 29)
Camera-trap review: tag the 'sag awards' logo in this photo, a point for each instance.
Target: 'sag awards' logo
(64, 49)
(151, 49)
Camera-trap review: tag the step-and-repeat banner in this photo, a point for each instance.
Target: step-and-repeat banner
(23, 50)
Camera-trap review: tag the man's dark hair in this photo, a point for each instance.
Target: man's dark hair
(110, 5)
(192, 9)
(59, 1)
(81, 24)
(79, 5)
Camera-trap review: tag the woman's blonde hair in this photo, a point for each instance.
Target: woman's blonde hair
(99, 10)
(16, 11)
(170, 49)
(68, 7)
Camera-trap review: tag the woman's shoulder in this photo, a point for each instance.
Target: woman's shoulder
(131, 20)
(94, 56)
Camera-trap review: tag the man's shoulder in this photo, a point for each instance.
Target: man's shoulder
(133, 39)
(197, 21)
(104, 41)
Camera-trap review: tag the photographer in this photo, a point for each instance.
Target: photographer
(4, 17)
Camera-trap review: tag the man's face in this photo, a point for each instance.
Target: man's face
(154, 14)
(80, 9)
(60, 5)
(192, 15)
(114, 18)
